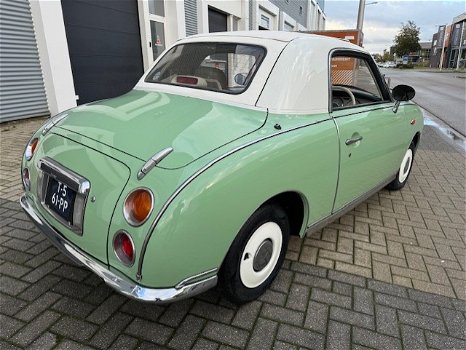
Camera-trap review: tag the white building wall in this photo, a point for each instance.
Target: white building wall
(53, 47)
(53, 52)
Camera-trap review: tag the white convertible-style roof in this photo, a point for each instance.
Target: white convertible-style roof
(293, 77)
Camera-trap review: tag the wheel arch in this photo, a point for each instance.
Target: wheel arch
(296, 207)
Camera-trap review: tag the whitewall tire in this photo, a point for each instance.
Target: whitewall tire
(256, 255)
(404, 170)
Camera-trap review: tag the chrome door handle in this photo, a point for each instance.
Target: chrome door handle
(354, 140)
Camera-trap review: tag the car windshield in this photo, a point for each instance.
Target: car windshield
(223, 67)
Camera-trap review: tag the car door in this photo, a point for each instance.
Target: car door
(371, 135)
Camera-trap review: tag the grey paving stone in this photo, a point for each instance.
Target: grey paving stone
(204, 344)
(176, 312)
(279, 345)
(106, 309)
(300, 337)
(149, 331)
(429, 310)
(225, 334)
(46, 341)
(396, 302)
(330, 298)
(347, 278)
(73, 273)
(308, 269)
(187, 333)
(387, 288)
(212, 312)
(375, 340)
(142, 310)
(109, 332)
(124, 342)
(75, 329)
(282, 314)
(273, 297)
(246, 315)
(413, 338)
(438, 341)
(342, 288)
(41, 271)
(38, 306)
(11, 286)
(421, 321)
(313, 281)
(338, 336)
(72, 289)
(9, 326)
(455, 322)
(72, 345)
(14, 270)
(35, 290)
(263, 335)
(283, 281)
(316, 317)
(298, 296)
(430, 298)
(10, 305)
(363, 301)
(35, 328)
(386, 320)
(351, 317)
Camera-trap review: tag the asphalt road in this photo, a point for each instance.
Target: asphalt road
(441, 94)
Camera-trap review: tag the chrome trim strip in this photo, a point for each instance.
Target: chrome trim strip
(75, 181)
(197, 277)
(195, 175)
(153, 161)
(114, 279)
(82, 186)
(348, 207)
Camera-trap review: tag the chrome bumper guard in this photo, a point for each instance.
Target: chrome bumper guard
(115, 280)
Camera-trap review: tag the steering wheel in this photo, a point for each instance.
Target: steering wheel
(348, 91)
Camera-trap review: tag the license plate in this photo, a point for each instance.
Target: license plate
(60, 198)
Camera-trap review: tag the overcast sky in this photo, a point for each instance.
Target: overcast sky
(382, 21)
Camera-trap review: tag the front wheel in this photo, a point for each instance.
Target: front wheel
(256, 255)
(404, 170)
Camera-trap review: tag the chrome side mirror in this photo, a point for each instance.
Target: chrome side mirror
(402, 93)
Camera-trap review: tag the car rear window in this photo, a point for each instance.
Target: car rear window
(223, 67)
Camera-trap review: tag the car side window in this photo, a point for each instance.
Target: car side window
(353, 82)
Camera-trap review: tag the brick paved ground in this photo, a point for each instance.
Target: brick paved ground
(342, 287)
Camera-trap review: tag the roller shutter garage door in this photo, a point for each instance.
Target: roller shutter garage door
(105, 47)
(22, 92)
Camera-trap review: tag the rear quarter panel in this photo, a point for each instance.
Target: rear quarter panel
(197, 229)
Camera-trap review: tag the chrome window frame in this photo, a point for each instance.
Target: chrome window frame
(49, 168)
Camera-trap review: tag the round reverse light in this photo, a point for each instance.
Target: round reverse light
(138, 206)
(26, 179)
(123, 247)
(31, 148)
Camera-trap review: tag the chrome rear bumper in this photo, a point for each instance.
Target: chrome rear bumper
(117, 281)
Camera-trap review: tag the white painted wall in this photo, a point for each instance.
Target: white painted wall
(54, 57)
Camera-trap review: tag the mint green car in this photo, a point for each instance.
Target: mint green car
(229, 144)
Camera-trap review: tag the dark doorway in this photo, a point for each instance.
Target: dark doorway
(217, 21)
(105, 47)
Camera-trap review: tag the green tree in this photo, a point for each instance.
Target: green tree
(407, 39)
(386, 56)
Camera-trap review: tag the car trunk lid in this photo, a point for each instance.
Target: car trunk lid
(142, 123)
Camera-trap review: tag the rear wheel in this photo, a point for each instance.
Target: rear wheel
(256, 255)
(404, 170)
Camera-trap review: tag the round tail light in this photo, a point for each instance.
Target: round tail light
(31, 148)
(124, 248)
(26, 179)
(138, 206)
